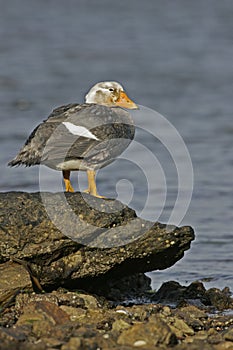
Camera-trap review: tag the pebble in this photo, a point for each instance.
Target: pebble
(121, 311)
(139, 343)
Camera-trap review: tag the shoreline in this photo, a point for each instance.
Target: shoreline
(57, 293)
(66, 320)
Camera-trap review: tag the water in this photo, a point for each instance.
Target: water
(174, 57)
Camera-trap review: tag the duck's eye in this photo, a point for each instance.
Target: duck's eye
(111, 89)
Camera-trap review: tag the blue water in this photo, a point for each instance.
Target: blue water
(173, 57)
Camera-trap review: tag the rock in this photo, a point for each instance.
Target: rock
(220, 299)
(43, 316)
(193, 316)
(24, 299)
(191, 312)
(140, 343)
(52, 343)
(120, 325)
(196, 344)
(228, 335)
(154, 332)
(214, 338)
(70, 320)
(196, 294)
(14, 278)
(124, 288)
(73, 299)
(75, 313)
(73, 344)
(224, 346)
(78, 240)
(174, 292)
(180, 328)
(14, 338)
(90, 302)
(15, 333)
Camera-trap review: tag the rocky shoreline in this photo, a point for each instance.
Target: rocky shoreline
(85, 288)
(185, 318)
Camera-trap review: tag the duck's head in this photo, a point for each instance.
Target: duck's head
(111, 94)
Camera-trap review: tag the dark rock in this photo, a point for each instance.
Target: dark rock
(125, 289)
(221, 300)
(169, 291)
(101, 240)
(173, 293)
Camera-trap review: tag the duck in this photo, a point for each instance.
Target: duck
(82, 137)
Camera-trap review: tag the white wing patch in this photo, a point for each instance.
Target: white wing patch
(79, 130)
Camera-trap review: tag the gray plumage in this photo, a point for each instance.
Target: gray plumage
(51, 143)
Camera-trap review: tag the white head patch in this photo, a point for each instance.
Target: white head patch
(104, 86)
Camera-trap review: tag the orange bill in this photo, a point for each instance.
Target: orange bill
(125, 102)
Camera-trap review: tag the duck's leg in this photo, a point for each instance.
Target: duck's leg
(66, 178)
(92, 184)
